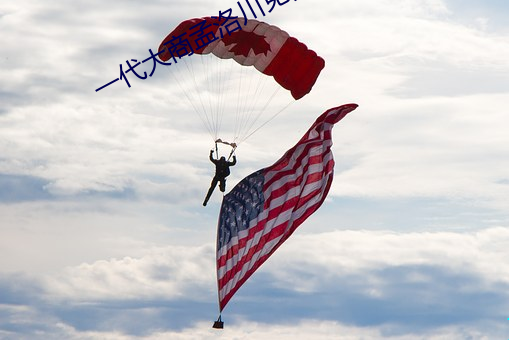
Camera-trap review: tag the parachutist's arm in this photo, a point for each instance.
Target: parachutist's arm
(210, 156)
(234, 161)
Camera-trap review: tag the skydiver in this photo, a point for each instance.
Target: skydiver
(222, 171)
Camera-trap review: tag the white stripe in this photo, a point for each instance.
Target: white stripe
(293, 165)
(315, 168)
(288, 215)
(242, 252)
(279, 219)
(323, 145)
(280, 200)
(247, 266)
(266, 249)
(234, 240)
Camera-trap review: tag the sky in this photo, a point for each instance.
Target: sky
(102, 231)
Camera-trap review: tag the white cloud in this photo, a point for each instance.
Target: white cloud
(306, 263)
(307, 329)
(44, 237)
(164, 273)
(87, 141)
(445, 147)
(317, 329)
(437, 274)
(339, 253)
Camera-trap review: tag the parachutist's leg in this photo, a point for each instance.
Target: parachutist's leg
(222, 184)
(211, 190)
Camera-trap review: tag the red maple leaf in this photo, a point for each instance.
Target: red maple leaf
(246, 41)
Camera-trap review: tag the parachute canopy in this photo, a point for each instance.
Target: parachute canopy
(232, 101)
(266, 47)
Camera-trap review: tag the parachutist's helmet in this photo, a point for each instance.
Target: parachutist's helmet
(223, 159)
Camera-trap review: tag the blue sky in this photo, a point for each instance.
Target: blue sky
(102, 232)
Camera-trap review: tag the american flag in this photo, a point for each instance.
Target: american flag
(266, 207)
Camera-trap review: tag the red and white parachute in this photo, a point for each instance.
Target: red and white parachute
(239, 100)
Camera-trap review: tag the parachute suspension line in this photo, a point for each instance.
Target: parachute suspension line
(249, 134)
(248, 103)
(217, 76)
(225, 74)
(205, 113)
(209, 86)
(251, 96)
(205, 66)
(249, 114)
(239, 109)
(189, 99)
(262, 111)
(268, 121)
(234, 147)
(227, 96)
(244, 113)
(249, 129)
(213, 79)
(195, 99)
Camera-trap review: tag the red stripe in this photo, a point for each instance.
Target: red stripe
(285, 229)
(303, 200)
(312, 159)
(260, 226)
(324, 134)
(273, 213)
(274, 232)
(284, 160)
(226, 298)
(239, 283)
(288, 204)
(242, 242)
(279, 173)
(317, 205)
(297, 182)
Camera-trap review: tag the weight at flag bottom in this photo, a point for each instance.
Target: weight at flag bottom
(266, 207)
